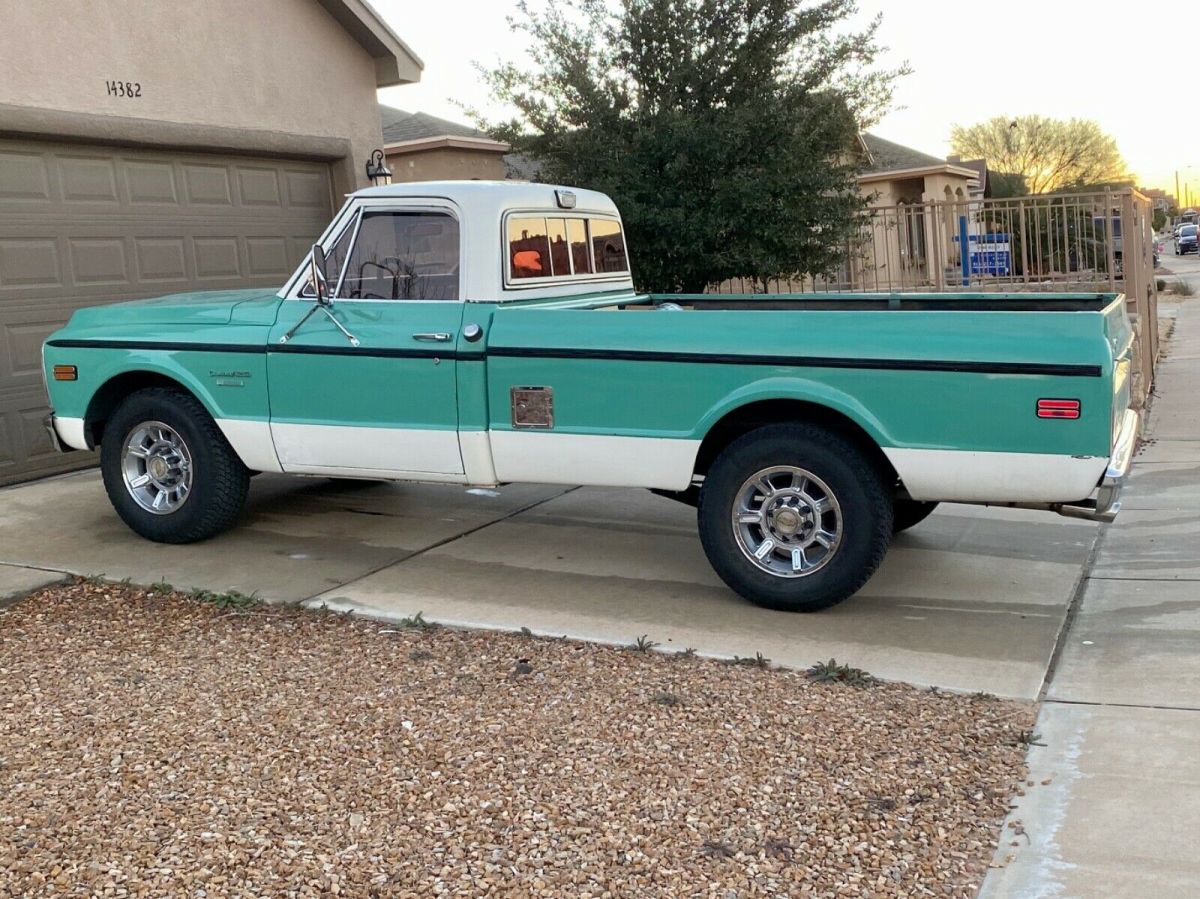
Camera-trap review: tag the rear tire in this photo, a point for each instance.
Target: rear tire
(908, 513)
(168, 470)
(794, 517)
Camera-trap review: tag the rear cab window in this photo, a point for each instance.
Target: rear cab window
(545, 248)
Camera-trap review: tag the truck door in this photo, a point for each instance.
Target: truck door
(378, 398)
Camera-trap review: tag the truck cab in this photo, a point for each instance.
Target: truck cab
(415, 272)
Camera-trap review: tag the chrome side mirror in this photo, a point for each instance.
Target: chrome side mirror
(324, 304)
(316, 276)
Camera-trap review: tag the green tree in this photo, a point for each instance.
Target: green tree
(725, 129)
(1159, 220)
(1047, 154)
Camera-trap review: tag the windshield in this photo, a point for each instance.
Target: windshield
(1188, 231)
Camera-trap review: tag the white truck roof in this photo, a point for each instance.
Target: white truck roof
(481, 207)
(491, 198)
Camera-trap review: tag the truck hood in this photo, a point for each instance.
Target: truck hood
(211, 307)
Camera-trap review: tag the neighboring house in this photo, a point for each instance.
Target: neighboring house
(981, 187)
(904, 231)
(425, 148)
(421, 147)
(893, 173)
(1161, 200)
(148, 148)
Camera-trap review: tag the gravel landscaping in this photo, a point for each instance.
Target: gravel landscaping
(154, 744)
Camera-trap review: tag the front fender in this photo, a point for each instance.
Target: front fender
(232, 387)
(229, 384)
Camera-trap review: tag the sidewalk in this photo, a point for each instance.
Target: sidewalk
(1114, 809)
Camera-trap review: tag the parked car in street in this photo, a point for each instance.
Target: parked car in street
(488, 332)
(1185, 240)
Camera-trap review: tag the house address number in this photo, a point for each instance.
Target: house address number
(127, 89)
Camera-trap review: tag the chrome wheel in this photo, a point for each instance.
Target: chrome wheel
(787, 521)
(156, 466)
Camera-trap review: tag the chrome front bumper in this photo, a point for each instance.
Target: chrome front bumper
(1105, 505)
(55, 440)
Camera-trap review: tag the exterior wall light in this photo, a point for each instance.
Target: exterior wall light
(377, 171)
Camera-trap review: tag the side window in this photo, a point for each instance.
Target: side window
(336, 257)
(608, 246)
(528, 248)
(403, 256)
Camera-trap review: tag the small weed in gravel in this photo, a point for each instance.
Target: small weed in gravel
(642, 644)
(717, 849)
(758, 660)
(662, 697)
(775, 848)
(231, 600)
(161, 587)
(831, 671)
(418, 622)
(689, 653)
(1029, 738)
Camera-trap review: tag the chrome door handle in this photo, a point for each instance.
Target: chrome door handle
(432, 336)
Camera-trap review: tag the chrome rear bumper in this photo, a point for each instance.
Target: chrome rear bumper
(1105, 505)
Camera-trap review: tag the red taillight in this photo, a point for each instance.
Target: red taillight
(1058, 408)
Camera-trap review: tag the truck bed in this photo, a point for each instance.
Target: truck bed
(863, 302)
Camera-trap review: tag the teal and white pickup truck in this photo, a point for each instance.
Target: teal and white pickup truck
(484, 333)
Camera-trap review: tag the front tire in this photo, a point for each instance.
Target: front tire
(908, 513)
(794, 517)
(168, 470)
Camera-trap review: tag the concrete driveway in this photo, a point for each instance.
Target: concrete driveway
(972, 599)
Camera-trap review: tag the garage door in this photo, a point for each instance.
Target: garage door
(82, 225)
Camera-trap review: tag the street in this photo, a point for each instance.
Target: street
(1172, 266)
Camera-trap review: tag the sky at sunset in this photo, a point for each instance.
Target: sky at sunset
(1059, 58)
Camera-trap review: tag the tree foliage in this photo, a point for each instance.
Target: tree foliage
(1045, 155)
(724, 129)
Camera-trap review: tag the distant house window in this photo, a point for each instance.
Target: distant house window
(564, 247)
